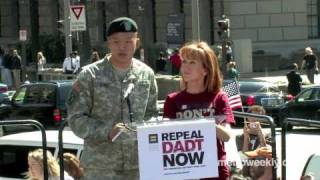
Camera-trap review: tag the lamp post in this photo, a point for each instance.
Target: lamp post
(195, 20)
(224, 35)
(67, 31)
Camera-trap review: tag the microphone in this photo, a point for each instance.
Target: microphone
(129, 90)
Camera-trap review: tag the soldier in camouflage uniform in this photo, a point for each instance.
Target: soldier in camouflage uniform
(97, 109)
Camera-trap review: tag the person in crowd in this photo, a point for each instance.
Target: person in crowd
(6, 70)
(36, 170)
(201, 84)
(294, 80)
(94, 56)
(1, 61)
(70, 64)
(72, 166)
(232, 72)
(175, 61)
(77, 61)
(308, 177)
(253, 144)
(161, 63)
(229, 52)
(310, 64)
(41, 61)
(98, 105)
(16, 68)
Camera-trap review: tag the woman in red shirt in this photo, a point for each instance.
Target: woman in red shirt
(201, 96)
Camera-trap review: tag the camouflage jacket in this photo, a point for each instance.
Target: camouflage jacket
(95, 106)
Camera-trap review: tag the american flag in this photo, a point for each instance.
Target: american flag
(232, 90)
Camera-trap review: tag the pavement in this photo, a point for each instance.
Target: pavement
(277, 77)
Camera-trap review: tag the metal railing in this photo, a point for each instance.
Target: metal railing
(267, 120)
(46, 76)
(60, 141)
(261, 118)
(43, 134)
(294, 122)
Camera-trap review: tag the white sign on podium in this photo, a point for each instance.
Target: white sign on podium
(178, 150)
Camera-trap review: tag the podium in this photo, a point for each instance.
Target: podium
(175, 150)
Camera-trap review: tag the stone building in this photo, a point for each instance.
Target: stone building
(276, 27)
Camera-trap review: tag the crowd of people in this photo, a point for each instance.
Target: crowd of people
(73, 169)
(10, 66)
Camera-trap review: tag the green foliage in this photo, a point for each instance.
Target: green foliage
(52, 46)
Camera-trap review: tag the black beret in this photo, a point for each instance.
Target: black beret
(122, 24)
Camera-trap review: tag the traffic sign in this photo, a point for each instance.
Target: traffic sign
(22, 35)
(77, 18)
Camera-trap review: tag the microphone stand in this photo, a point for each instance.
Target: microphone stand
(129, 109)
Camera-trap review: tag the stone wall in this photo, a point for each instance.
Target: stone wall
(262, 62)
(268, 20)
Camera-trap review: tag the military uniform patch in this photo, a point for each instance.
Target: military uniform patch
(76, 86)
(75, 91)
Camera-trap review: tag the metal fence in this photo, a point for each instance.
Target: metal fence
(60, 141)
(269, 121)
(261, 118)
(294, 122)
(43, 134)
(47, 76)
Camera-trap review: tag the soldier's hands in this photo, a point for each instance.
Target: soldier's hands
(116, 131)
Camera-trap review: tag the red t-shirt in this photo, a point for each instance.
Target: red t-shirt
(179, 105)
(175, 60)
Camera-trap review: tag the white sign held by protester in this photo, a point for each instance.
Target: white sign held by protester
(178, 150)
(77, 18)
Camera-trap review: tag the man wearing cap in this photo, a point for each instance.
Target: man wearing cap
(98, 110)
(70, 65)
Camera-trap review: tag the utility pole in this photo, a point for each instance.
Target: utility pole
(34, 21)
(224, 35)
(195, 20)
(67, 32)
(86, 42)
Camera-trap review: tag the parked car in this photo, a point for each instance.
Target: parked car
(3, 88)
(14, 150)
(305, 105)
(255, 92)
(42, 101)
(266, 94)
(3, 93)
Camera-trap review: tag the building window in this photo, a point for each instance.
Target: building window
(312, 18)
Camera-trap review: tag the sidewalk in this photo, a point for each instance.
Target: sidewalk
(278, 77)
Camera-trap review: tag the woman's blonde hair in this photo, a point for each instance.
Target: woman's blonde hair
(72, 165)
(40, 54)
(201, 51)
(53, 166)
